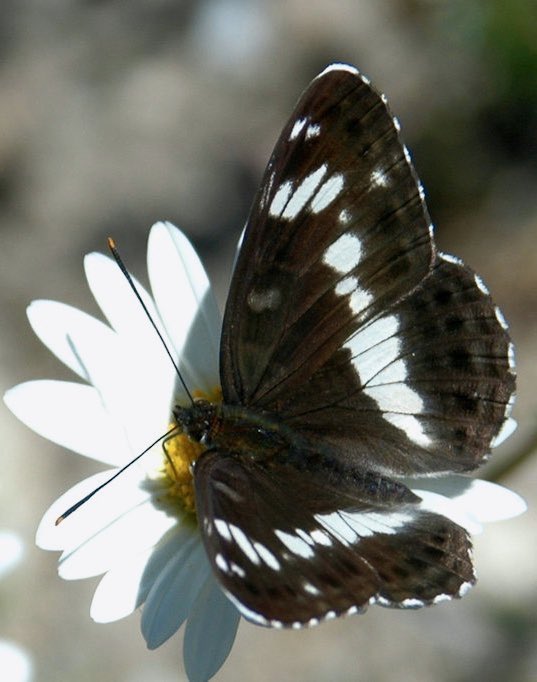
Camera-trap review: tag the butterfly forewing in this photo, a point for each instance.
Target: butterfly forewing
(338, 231)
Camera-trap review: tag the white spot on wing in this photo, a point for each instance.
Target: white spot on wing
(450, 259)
(222, 529)
(346, 285)
(411, 426)
(295, 544)
(221, 563)
(303, 193)
(511, 355)
(372, 361)
(337, 527)
(237, 570)
(320, 537)
(360, 300)
(480, 284)
(375, 357)
(465, 588)
(327, 193)
(244, 544)
(344, 216)
(501, 319)
(341, 67)
(376, 332)
(297, 128)
(261, 300)
(440, 598)
(249, 614)
(509, 406)
(421, 192)
(305, 536)
(344, 254)
(394, 373)
(398, 398)
(378, 178)
(264, 198)
(267, 556)
(311, 588)
(280, 199)
(369, 523)
(313, 130)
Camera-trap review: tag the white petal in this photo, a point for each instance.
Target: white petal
(210, 632)
(107, 362)
(117, 300)
(125, 587)
(111, 502)
(144, 376)
(508, 427)
(117, 595)
(438, 504)
(71, 415)
(170, 599)
(57, 325)
(478, 500)
(186, 304)
(138, 528)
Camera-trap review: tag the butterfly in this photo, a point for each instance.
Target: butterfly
(352, 354)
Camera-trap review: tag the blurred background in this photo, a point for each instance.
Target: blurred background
(116, 114)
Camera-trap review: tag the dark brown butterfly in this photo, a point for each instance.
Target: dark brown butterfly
(352, 353)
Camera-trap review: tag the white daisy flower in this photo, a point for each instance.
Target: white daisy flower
(140, 531)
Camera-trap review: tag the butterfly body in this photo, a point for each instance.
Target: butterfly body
(236, 430)
(352, 353)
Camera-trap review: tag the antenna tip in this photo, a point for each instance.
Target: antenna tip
(111, 244)
(59, 520)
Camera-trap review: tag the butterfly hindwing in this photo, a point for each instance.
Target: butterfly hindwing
(336, 552)
(423, 388)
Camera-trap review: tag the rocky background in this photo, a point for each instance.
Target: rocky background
(116, 114)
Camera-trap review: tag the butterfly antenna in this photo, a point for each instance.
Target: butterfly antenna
(119, 261)
(78, 504)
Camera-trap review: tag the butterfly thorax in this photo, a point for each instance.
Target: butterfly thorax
(234, 429)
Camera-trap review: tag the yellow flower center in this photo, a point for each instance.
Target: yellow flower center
(180, 452)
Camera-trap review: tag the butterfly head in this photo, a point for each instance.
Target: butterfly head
(182, 449)
(196, 420)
